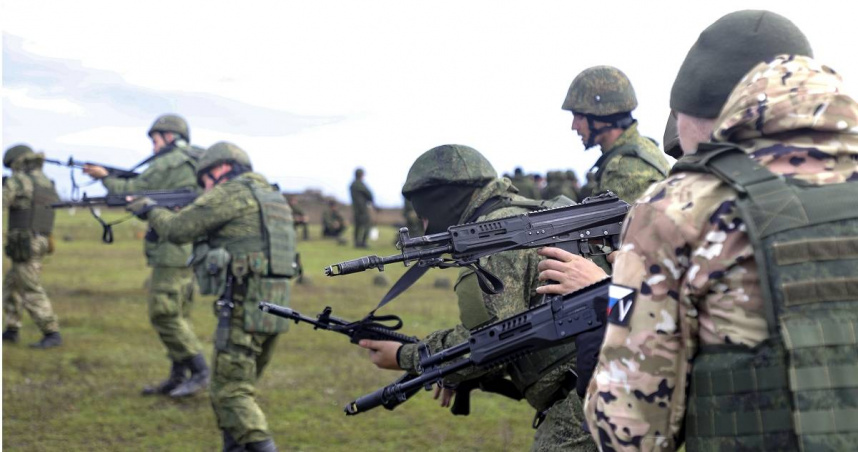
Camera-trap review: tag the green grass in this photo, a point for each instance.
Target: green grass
(84, 395)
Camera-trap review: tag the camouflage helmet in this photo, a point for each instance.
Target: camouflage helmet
(14, 153)
(449, 164)
(601, 91)
(222, 152)
(671, 138)
(171, 123)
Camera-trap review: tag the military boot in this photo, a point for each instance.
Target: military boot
(230, 444)
(199, 378)
(261, 446)
(10, 335)
(49, 340)
(177, 376)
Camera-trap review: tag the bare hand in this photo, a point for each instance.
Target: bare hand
(95, 171)
(445, 394)
(382, 353)
(570, 271)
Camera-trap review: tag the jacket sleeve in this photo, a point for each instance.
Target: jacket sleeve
(636, 399)
(207, 213)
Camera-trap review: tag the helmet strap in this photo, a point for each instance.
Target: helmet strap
(615, 121)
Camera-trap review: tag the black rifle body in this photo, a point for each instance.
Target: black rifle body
(552, 323)
(574, 228)
(111, 171)
(163, 198)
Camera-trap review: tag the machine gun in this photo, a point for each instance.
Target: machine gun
(364, 329)
(552, 323)
(587, 229)
(170, 199)
(111, 171)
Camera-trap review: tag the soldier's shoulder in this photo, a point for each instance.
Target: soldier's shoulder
(170, 160)
(686, 197)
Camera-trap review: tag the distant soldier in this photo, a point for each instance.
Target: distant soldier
(333, 223)
(27, 195)
(171, 288)
(525, 185)
(362, 203)
(601, 99)
(247, 256)
(298, 216)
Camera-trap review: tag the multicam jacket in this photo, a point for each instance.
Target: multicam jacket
(687, 254)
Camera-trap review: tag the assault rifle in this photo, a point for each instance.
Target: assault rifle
(356, 331)
(111, 171)
(554, 322)
(170, 199)
(587, 229)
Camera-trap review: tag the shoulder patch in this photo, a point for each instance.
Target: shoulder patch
(620, 304)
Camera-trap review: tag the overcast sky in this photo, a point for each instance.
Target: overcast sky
(314, 89)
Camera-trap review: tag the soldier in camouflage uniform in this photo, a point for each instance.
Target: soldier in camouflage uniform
(361, 205)
(171, 285)
(27, 195)
(333, 222)
(738, 329)
(601, 99)
(247, 256)
(525, 185)
(453, 184)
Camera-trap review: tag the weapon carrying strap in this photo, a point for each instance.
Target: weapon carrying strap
(107, 233)
(488, 282)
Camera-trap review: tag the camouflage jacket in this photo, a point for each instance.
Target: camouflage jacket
(686, 253)
(332, 219)
(171, 169)
(361, 199)
(517, 270)
(627, 175)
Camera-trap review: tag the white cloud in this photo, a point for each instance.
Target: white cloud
(22, 98)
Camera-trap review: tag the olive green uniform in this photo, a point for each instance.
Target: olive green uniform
(361, 202)
(171, 284)
(26, 247)
(229, 216)
(544, 385)
(631, 165)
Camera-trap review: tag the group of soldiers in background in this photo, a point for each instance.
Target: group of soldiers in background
(740, 330)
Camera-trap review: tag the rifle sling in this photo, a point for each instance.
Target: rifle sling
(107, 234)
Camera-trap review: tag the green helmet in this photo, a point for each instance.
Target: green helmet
(671, 138)
(601, 91)
(725, 52)
(171, 123)
(222, 152)
(449, 164)
(14, 153)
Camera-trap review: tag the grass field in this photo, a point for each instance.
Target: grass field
(85, 394)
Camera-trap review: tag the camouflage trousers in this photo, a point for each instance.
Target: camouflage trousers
(233, 385)
(170, 300)
(23, 289)
(561, 430)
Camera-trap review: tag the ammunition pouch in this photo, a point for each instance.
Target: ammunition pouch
(19, 246)
(253, 268)
(210, 267)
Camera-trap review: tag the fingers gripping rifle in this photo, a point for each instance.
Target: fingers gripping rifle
(549, 324)
(587, 229)
(169, 199)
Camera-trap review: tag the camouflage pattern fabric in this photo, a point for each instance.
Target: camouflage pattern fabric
(686, 252)
(170, 301)
(517, 270)
(224, 214)
(361, 202)
(526, 187)
(22, 287)
(333, 223)
(628, 176)
(171, 282)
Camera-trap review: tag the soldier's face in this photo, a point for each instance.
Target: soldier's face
(579, 125)
(158, 142)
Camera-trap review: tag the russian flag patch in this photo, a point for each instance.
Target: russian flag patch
(620, 303)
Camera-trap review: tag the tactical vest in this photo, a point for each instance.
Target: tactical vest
(529, 369)
(626, 150)
(39, 216)
(798, 390)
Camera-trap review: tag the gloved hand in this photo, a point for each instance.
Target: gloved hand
(588, 345)
(140, 207)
